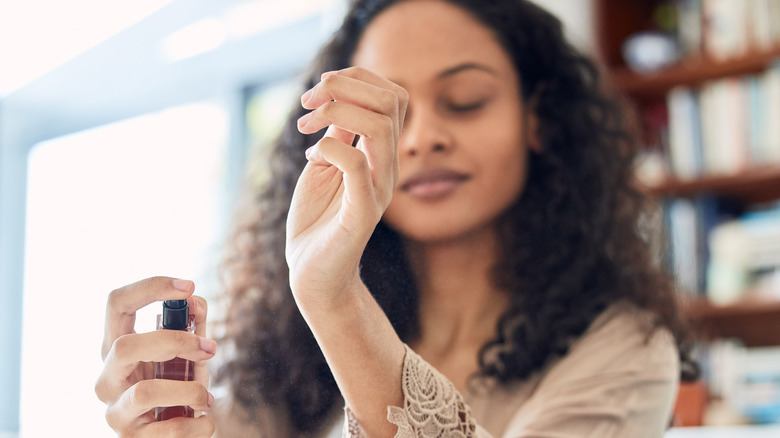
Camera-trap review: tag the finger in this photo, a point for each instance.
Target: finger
(199, 307)
(201, 427)
(146, 395)
(130, 350)
(359, 189)
(124, 302)
(372, 78)
(349, 118)
(376, 131)
(339, 134)
(350, 90)
(385, 98)
(402, 98)
(159, 346)
(365, 75)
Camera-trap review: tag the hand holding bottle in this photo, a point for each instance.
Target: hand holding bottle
(127, 383)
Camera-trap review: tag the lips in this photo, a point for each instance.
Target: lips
(433, 184)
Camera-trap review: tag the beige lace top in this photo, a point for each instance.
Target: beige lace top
(614, 382)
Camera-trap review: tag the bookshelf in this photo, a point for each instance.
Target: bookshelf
(751, 182)
(755, 322)
(689, 73)
(757, 185)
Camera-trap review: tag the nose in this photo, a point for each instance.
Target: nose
(425, 132)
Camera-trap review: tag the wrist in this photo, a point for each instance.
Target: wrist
(330, 297)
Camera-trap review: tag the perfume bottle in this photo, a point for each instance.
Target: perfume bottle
(175, 316)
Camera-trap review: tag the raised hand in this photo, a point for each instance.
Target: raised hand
(344, 189)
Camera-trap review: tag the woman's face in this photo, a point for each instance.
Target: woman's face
(462, 151)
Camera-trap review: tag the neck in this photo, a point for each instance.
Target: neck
(459, 305)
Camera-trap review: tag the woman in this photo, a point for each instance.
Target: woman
(471, 267)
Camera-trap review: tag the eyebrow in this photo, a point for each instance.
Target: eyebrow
(465, 66)
(457, 69)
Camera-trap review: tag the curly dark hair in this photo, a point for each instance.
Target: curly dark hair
(573, 237)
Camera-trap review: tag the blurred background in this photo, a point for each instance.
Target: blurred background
(127, 129)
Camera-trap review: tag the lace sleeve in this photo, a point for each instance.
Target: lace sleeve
(433, 408)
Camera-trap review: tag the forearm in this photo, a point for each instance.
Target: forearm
(340, 197)
(363, 352)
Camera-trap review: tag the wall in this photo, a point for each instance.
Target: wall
(577, 17)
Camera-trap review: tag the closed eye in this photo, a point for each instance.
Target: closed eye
(466, 107)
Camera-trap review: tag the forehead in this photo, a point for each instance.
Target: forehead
(417, 39)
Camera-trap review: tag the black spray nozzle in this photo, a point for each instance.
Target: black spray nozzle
(175, 314)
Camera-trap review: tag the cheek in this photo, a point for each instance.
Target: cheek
(506, 175)
(498, 143)
(505, 166)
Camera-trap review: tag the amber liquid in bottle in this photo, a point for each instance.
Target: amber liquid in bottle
(175, 316)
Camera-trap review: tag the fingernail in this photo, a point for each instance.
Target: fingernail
(208, 345)
(210, 401)
(306, 96)
(312, 154)
(182, 285)
(304, 120)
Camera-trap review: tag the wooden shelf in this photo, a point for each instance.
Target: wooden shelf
(754, 185)
(689, 72)
(754, 321)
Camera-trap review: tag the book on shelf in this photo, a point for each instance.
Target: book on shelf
(745, 256)
(684, 257)
(689, 27)
(744, 381)
(724, 126)
(689, 223)
(685, 137)
(725, 25)
(723, 113)
(727, 29)
(716, 251)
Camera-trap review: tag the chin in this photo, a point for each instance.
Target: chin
(442, 233)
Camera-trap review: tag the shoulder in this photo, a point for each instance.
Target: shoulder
(623, 339)
(618, 379)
